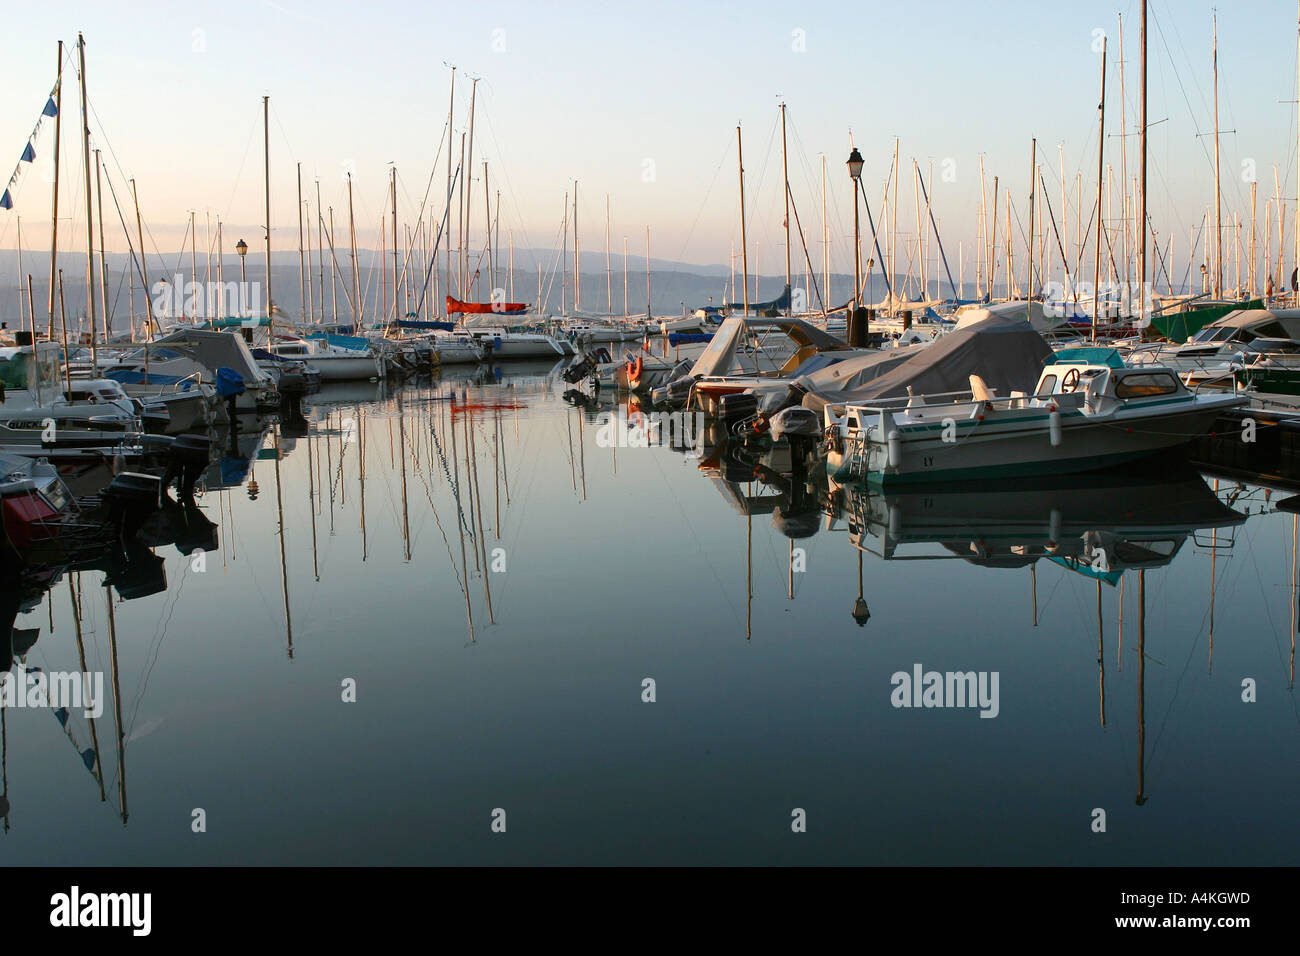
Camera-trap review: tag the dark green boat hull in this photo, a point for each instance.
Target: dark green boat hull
(1181, 326)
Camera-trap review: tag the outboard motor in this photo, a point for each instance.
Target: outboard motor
(579, 370)
(737, 410)
(132, 497)
(188, 457)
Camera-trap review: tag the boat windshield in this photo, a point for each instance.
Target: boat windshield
(1212, 334)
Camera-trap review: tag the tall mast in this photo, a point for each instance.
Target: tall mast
(90, 231)
(893, 240)
(393, 187)
(54, 214)
(334, 288)
(194, 254)
(609, 287)
(1218, 197)
(468, 165)
(356, 271)
(744, 245)
(1142, 170)
(320, 253)
(785, 182)
(451, 108)
(564, 250)
(103, 261)
(1101, 144)
(151, 328)
(647, 272)
(626, 310)
(487, 219)
(826, 241)
(1297, 205)
(1123, 161)
(302, 262)
(266, 165)
(577, 263)
(1033, 188)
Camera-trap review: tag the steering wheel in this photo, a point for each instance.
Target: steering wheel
(1070, 381)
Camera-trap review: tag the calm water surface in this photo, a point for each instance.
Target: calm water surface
(620, 564)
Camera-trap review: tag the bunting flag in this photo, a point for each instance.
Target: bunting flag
(29, 149)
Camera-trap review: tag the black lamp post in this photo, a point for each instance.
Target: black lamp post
(242, 248)
(856, 332)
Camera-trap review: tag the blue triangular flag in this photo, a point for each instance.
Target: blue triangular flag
(29, 155)
(61, 715)
(50, 108)
(88, 758)
(5, 201)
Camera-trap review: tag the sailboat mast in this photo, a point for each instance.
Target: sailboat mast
(785, 182)
(103, 260)
(151, 328)
(1142, 168)
(609, 287)
(744, 246)
(1218, 196)
(356, 272)
(393, 189)
(266, 167)
(577, 263)
(467, 191)
(1101, 159)
(647, 272)
(1033, 189)
(320, 254)
(451, 108)
(54, 214)
(302, 262)
(90, 230)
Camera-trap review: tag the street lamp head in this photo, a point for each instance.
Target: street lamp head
(855, 164)
(860, 612)
(242, 248)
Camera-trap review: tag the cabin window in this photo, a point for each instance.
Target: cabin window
(1146, 385)
(1047, 386)
(1271, 330)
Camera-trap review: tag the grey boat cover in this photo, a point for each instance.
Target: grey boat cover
(1004, 351)
(719, 357)
(213, 350)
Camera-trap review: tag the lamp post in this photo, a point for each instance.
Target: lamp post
(242, 248)
(856, 333)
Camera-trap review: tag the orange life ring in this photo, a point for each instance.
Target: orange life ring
(634, 371)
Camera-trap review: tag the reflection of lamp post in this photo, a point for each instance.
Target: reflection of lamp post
(857, 335)
(242, 248)
(860, 611)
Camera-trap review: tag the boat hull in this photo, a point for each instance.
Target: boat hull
(1014, 446)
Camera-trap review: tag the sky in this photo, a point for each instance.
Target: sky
(640, 102)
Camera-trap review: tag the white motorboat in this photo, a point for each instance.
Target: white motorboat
(333, 362)
(1080, 417)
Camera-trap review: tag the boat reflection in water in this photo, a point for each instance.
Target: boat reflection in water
(105, 530)
(1099, 525)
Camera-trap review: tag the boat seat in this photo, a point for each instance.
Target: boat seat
(980, 390)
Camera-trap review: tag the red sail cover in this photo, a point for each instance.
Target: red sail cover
(486, 308)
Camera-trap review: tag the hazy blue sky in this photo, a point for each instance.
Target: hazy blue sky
(596, 91)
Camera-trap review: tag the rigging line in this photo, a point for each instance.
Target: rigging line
(156, 645)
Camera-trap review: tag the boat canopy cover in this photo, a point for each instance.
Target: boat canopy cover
(352, 342)
(486, 308)
(719, 357)
(1004, 351)
(853, 374)
(782, 301)
(1038, 318)
(1088, 355)
(235, 322)
(433, 326)
(213, 350)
